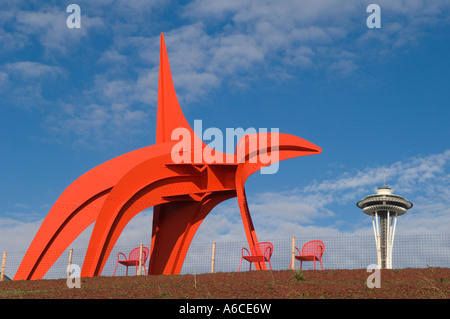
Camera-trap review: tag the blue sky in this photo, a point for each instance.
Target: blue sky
(375, 100)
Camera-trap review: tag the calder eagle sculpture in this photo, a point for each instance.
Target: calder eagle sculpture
(181, 194)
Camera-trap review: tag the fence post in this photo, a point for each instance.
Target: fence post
(3, 266)
(140, 260)
(69, 268)
(213, 257)
(293, 253)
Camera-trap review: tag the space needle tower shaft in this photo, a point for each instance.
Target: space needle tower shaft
(384, 207)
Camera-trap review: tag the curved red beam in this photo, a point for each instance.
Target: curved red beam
(182, 194)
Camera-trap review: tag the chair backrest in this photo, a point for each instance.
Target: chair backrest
(134, 254)
(314, 247)
(265, 248)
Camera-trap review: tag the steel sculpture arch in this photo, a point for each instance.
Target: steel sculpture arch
(181, 194)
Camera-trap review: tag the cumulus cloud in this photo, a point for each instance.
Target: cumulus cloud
(17, 234)
(49, 26)
(24, 81)
(321, 207)
(3, 80)
(33, 70)
(104, 125)
(314, 210)
(271, 28)
(214, 44)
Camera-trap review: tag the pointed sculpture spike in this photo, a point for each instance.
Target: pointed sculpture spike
(169, 115)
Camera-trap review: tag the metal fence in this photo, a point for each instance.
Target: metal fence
(341, 252)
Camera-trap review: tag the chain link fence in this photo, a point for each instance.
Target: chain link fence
(341, 252)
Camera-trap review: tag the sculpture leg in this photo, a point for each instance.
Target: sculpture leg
(55, 235)
(174, 226)
(249, 228)
(76, 208)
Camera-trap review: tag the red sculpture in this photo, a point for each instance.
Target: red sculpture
(181, 193)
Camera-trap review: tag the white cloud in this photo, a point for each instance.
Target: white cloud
(16, 235)
(49, 25)
(3, 80)
(34, 70)
(11, 41)
(233, 42)
(309, 212)
(324, 27)
(95, 124)
(23, 82)
(424, 180)
(113, 57)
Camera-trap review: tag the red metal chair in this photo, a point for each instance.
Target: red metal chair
(311, 251)
(260, 253)
(133, 259)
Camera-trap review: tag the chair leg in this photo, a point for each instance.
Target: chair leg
(115, 269)
(301, 264)
(292, 262)
(321, 264)
(240, 265)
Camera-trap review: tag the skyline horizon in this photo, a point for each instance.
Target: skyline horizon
(374, 99)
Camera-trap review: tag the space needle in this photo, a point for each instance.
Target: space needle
(384, 207)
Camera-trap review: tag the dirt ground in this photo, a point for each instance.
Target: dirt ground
(427, 283)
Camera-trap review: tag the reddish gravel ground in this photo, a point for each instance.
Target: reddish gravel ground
(427, 283)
